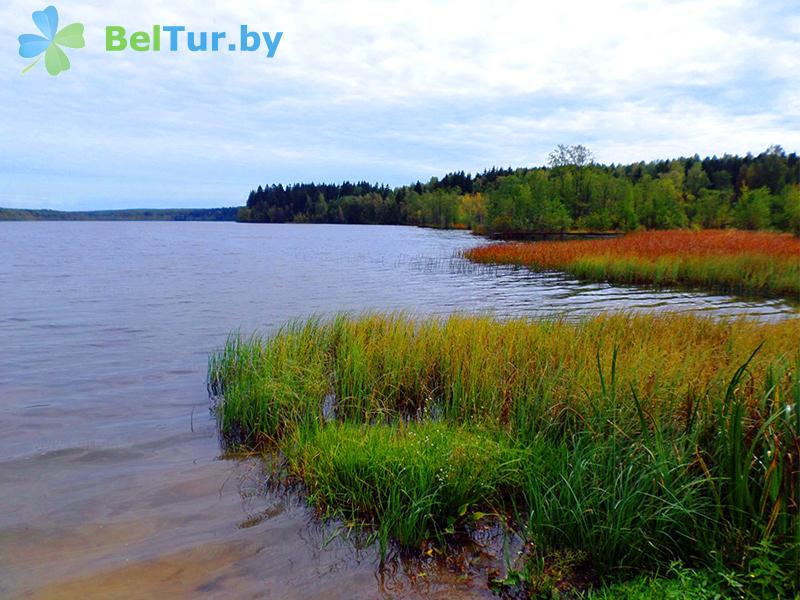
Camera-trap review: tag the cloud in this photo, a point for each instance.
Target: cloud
(387, 91)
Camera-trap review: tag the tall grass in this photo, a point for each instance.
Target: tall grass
(635, 439)
(735, 261)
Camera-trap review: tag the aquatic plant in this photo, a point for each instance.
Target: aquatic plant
(761, 263)
(633, 440)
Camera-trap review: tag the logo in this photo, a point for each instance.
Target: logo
(194, 41)
(175, 37)
(50, 42)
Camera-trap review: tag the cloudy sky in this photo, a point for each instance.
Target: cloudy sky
(386, 91)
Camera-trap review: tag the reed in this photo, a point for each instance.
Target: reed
(744, 262)
(636, 440)
(413, 481)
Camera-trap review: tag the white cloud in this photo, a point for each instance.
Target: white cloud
(391, 91)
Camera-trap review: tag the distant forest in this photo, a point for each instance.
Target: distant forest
(572, 193)
(136, 214)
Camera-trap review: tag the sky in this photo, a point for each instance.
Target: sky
(388, 92)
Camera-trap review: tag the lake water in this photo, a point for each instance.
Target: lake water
(110, 478)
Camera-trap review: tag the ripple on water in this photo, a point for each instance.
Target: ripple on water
(110, 482)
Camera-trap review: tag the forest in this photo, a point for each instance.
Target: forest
(131, 214)
(571, 193)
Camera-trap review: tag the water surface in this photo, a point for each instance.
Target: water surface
(110, 477)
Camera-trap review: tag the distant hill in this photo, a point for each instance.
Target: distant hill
(134, 214)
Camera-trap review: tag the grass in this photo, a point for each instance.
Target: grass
(415, 480)
(679, 584)
(631, 440)
(760, 263)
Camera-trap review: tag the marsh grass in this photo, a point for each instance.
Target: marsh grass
(415, 480)
(635, 440)
(760, 263)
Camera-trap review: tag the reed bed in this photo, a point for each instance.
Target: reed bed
(634, 440)
(761, 263)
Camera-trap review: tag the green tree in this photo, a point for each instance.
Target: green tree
(507, 204)
(791, 207)
(320, 209)
(623, 209)
(753, 209)
(768, 170)
(545, 213)
(696, 179)
(712, 209)
(472, 210)
(659, 203)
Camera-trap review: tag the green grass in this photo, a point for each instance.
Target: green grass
(680, 584)
(415, 480)
(632, 441)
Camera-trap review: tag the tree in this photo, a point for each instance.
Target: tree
(508, 203)
(658, 203)
(473, 210)
(748, 191)
(320, 209)
(712, 209)
(753, 209)
(571, 164)
(769, 170)
(791, 207)
(563, 155)
(696, 179)
(545, 212)
(623, 209)
(667, 209)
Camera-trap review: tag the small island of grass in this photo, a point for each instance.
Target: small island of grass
(740, 262)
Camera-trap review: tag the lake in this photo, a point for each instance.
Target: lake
(111, 482)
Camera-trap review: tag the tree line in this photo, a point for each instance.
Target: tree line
(128, 214)
(571, 193)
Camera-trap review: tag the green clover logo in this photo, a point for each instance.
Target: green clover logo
(55, 60)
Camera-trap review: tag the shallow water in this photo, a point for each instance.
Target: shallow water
(110, 478)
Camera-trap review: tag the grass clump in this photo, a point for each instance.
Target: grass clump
(270, 386)
(760, 263)
(624, 502)
(415, 481)
(633, 441)
(678, 584)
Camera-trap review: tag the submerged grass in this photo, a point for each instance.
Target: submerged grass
(632, 440)
(761, 263)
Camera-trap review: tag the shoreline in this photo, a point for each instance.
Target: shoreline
(440, 423)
